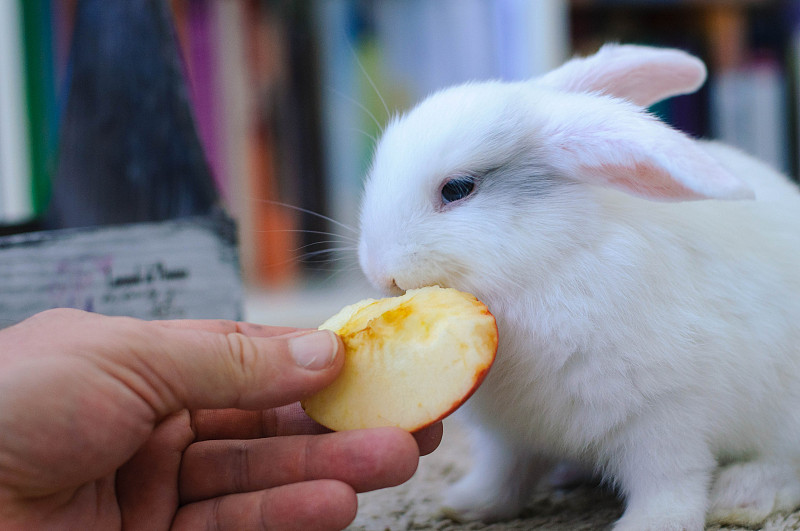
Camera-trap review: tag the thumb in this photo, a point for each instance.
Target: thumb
(200, 369)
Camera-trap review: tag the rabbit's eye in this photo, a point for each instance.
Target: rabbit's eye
(457, 188)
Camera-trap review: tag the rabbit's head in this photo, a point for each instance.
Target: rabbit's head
(486, 182)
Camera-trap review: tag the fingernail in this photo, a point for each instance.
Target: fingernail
(315, 350)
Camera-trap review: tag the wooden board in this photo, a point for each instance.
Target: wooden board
(186, 268)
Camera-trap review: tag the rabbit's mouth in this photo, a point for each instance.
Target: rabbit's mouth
(393, 289)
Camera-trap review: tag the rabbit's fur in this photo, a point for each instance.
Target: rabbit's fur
(646, 287)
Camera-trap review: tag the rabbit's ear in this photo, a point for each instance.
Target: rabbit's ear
(611, 143)
(641, 74)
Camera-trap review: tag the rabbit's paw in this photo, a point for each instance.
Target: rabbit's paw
(654, 523)
(668, 510)
(473, 500)
(661, 513)
(747, 494)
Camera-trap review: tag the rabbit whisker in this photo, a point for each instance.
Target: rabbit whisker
(330, 250)
(341, 237)
(372, 84)
(309, 212)
(359, 105)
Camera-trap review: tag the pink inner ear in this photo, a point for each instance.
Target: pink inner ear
(648, 83)
(642, 179)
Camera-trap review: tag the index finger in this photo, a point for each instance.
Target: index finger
(243, 424)
(282, 421)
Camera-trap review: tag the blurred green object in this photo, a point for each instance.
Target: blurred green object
(41, 96)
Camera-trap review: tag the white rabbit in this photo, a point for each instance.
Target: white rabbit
(646, 287)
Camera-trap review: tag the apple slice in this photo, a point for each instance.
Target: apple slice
(409, 361)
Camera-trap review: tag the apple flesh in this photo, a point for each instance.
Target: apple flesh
(409, 361)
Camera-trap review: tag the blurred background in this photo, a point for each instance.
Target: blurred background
(268, 110)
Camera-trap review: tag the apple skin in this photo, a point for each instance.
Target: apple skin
(410, 361)
(458, 403)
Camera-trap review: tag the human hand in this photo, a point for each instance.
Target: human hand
(111, 422)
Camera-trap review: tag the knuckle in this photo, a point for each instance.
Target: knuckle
(241, 467)
(243, 353)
